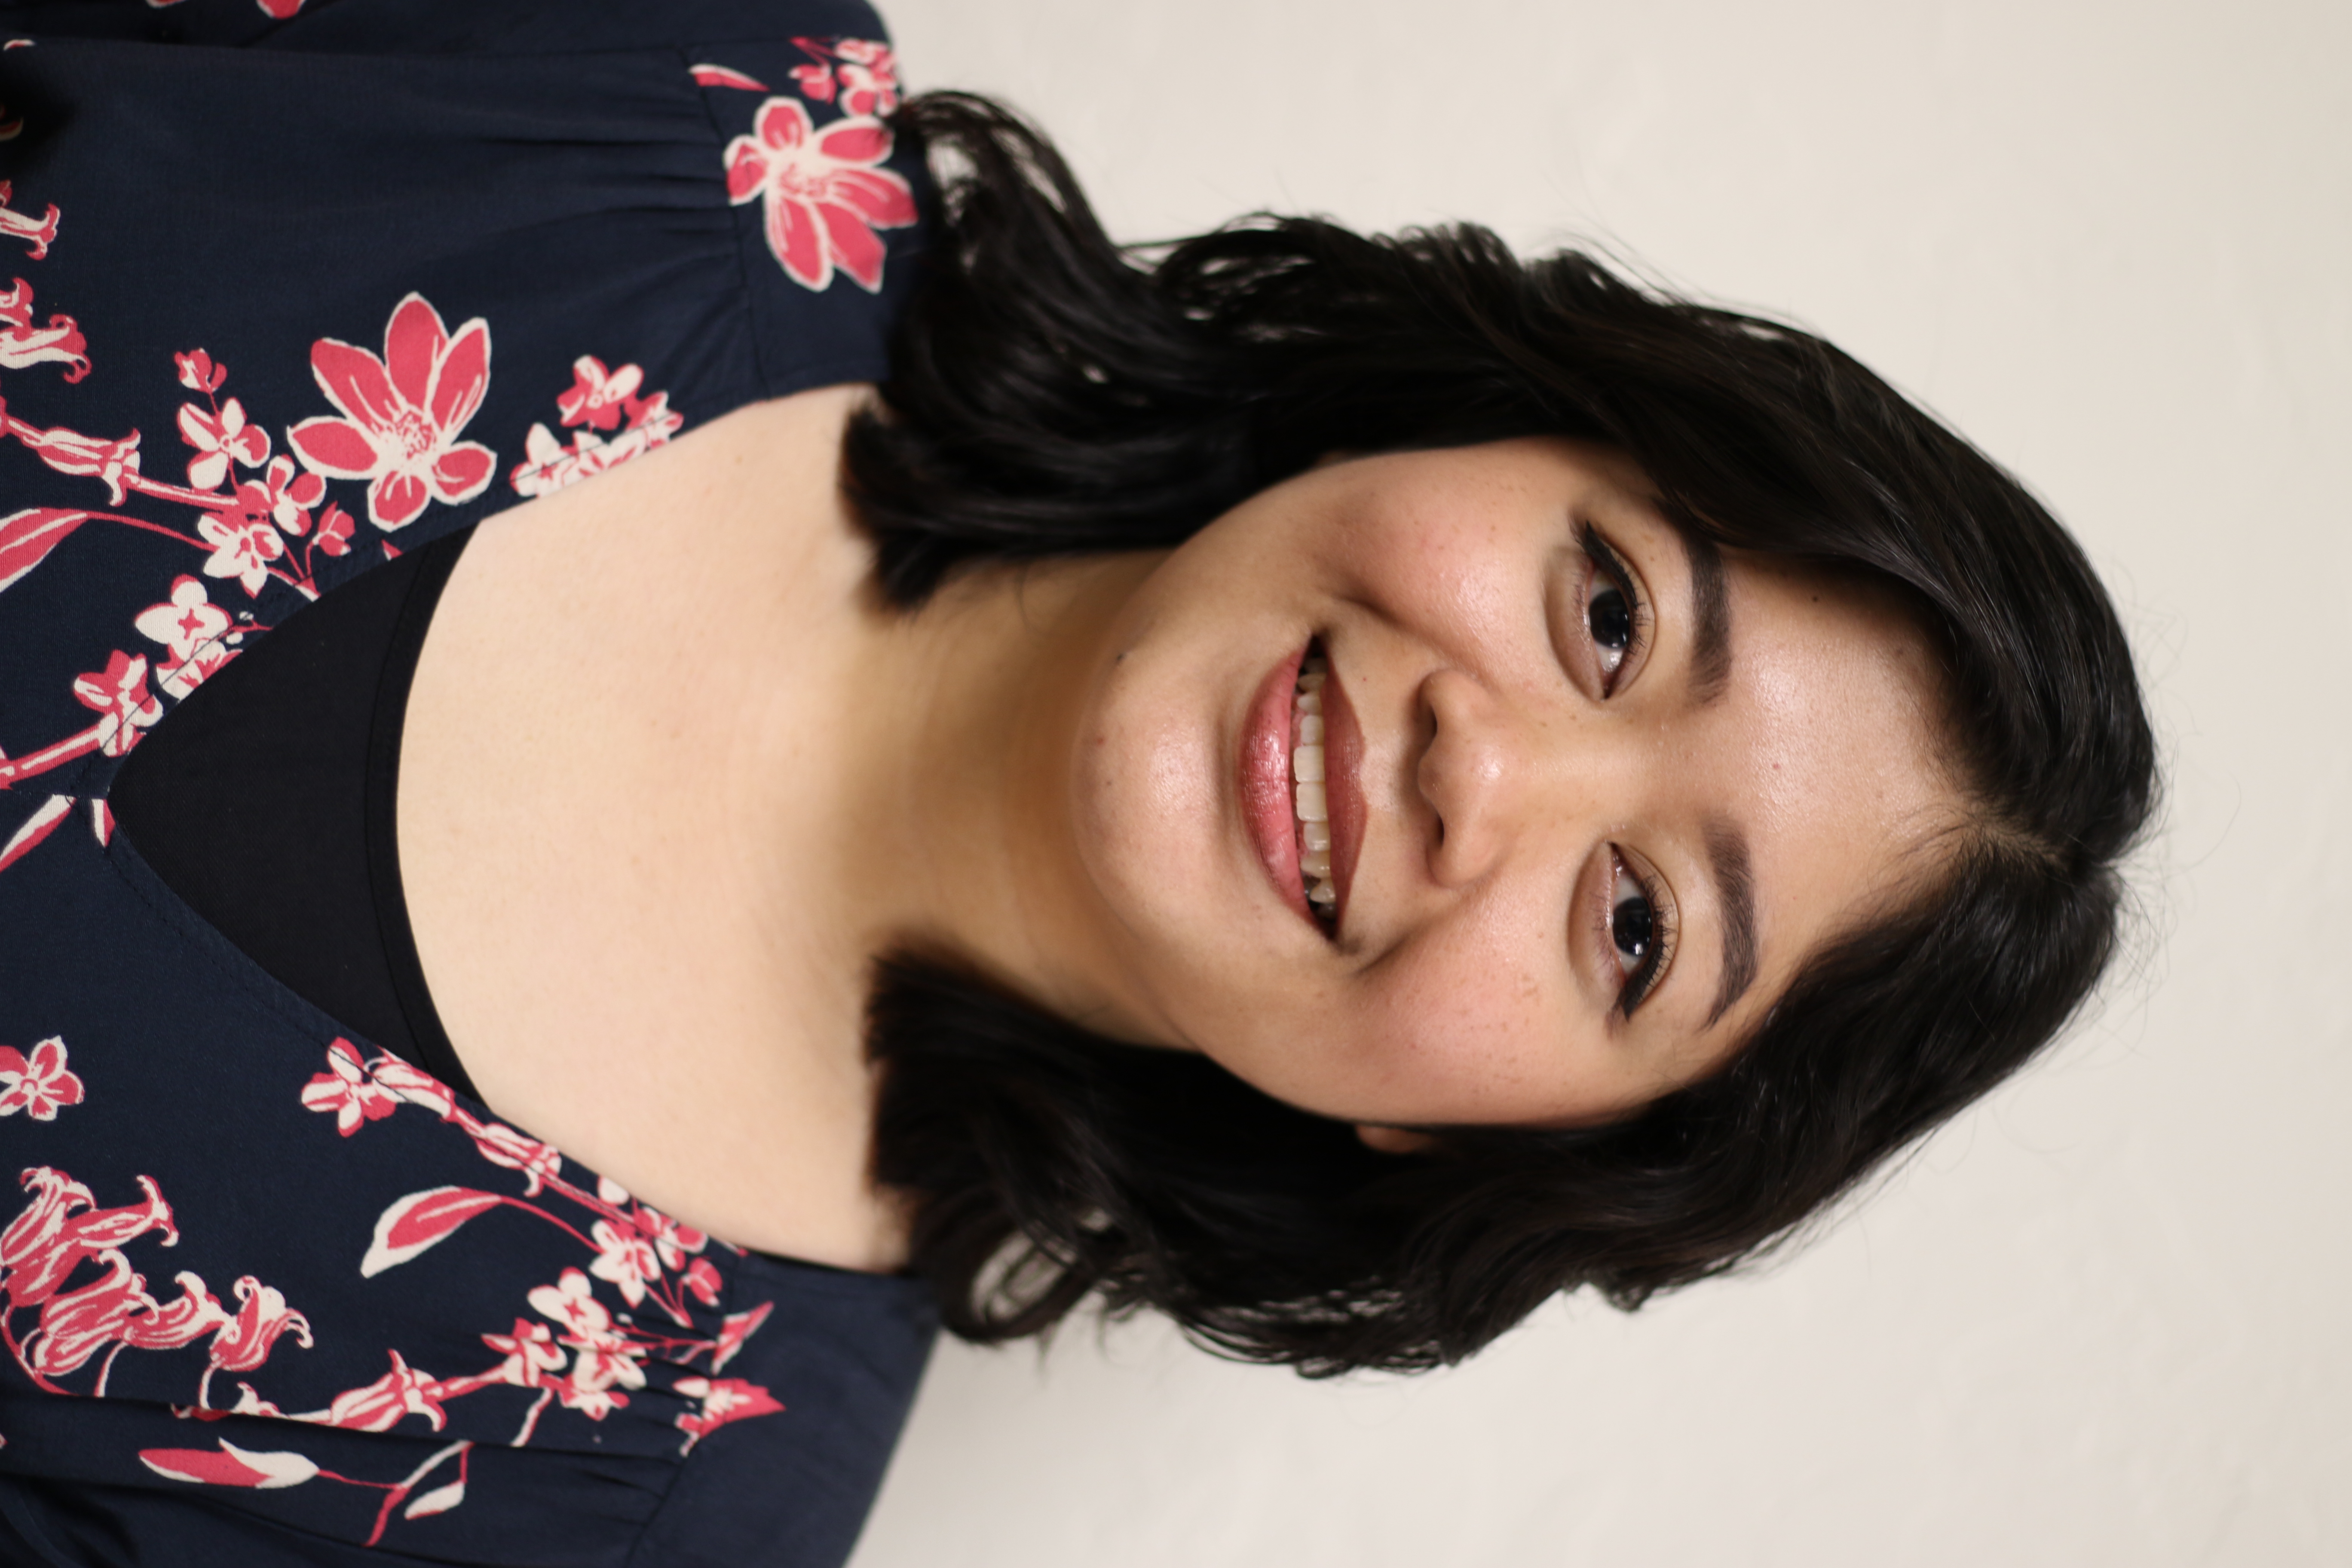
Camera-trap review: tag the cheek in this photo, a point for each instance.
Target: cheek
(1468, 1022)
(1450, 551)
(1143, 803)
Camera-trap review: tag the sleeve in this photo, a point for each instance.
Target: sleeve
(379, 270)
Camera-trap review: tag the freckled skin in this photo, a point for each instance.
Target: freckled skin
(1473, 981)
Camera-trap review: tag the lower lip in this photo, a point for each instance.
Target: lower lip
(1343, 763)
(1265, 790)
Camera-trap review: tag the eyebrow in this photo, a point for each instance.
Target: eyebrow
(1710, 660)
(1726, 856)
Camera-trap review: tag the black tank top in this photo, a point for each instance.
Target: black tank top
(269, 803)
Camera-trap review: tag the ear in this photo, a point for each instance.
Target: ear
(1395, 1140)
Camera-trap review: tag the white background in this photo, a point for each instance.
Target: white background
(2104, 1318)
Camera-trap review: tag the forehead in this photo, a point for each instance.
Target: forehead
(1826, 744)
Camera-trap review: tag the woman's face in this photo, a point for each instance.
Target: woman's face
(1590, 798)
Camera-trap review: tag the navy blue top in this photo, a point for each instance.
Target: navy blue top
(295, 290)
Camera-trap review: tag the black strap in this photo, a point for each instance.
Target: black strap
(269, 800)
(432, 1050)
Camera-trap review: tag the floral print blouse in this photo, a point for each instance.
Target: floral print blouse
(291, 287)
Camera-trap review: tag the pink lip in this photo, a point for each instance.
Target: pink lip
(1266, 782)
(1266, 790)
(1343, 787)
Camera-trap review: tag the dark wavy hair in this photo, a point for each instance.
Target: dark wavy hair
(1053, 393)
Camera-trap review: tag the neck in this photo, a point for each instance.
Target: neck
(945, 828)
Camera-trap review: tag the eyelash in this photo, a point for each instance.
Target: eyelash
(1602, 563)
(1643, 980)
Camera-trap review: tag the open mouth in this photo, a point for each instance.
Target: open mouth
(1300, 790)
(1309, 795)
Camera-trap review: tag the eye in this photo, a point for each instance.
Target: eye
(1615, 617)
(1609, 619)
(1640, 930)
(1633, 925)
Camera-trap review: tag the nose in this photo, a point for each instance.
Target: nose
(1471, 775)
(1499, 769)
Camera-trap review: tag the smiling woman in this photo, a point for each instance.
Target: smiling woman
(1725, 768)
(1333, 787)
(1568, 873)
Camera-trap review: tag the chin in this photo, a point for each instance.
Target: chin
(1152, 818)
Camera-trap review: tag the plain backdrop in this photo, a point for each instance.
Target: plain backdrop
(2102, 1319)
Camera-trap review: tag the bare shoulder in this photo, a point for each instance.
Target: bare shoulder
(771, 469)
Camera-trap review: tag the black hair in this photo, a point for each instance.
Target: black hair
(1053, 393)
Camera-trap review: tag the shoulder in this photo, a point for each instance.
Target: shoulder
(491, 27)
(285, 309)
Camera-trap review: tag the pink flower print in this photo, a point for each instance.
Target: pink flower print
(218, 438)
(348, 1090)
(166, 1326)
(571, 1301)
(596, 395)
(262, 1316)
(402, 414)
(39, 1086)
(815, 82)
(734, 1329)
(531, 1355)
(869, 76)
(626, 1258)
(116, 1310)
(111, 463)
(244, 545)
(502, 1145)
(867, 80)
(672, 1240)
(724, 1399)
(282, 495)
(77, 1324)
(281, 10)
(119, 694)
(381, 1405)
(24, 345)
(335, 531)
(50, 1239)
(604, 1358)
(36, 828)
(248, 1402)
(726, 76)
(39, 232)
(231, 1467)
(550, 465)
(593, 1399)
(27, 537)
(195, 629)
(825, 194)
(411, 1083)
(703, 1281)
(199, 373)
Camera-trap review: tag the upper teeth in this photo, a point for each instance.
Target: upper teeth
(1306, 768)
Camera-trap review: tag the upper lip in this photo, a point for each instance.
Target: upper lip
(1264, 776)
(1268, 791)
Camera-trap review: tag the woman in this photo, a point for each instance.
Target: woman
(1331, 787)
